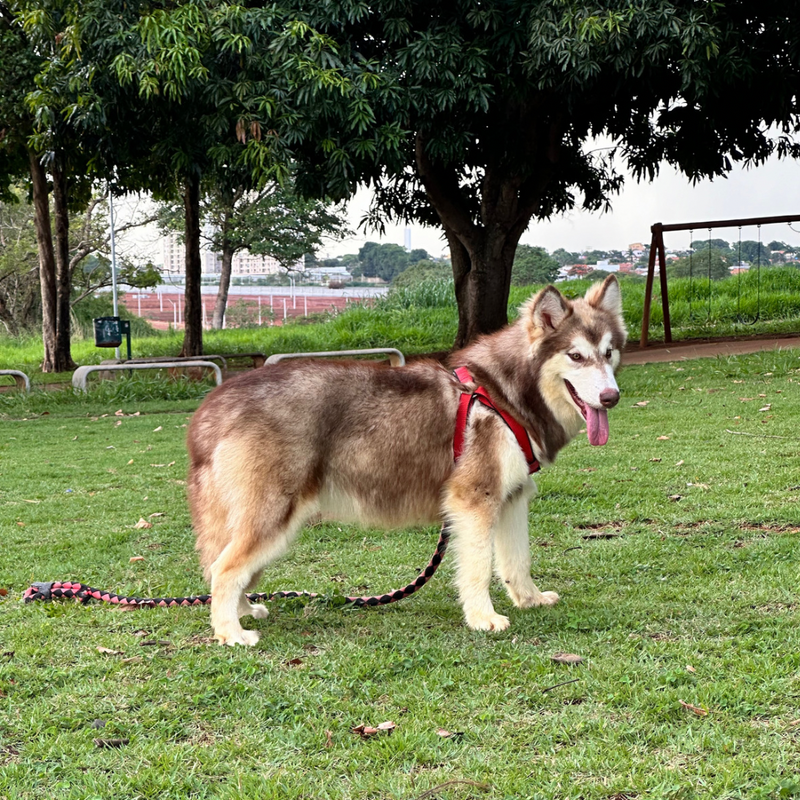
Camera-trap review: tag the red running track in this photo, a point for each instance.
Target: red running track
(161, 314)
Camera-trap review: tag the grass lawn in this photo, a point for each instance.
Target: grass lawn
(692, 598)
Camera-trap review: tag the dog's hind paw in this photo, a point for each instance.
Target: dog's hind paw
(247, 638)
(538, 599)
(258, 612)
(487, 622)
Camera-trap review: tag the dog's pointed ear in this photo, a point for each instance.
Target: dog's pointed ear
(606, 296)
(547, 310)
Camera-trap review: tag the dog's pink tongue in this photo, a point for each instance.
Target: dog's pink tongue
(596, 425)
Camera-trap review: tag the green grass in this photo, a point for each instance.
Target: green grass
(707, 581)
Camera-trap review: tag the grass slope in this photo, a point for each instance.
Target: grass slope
(693, 599)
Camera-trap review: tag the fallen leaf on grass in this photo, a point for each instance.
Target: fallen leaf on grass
(328, 738)
(566, 658)
(445, 734)
(109, 652)
(157, 514)
(132, 660)
(109, 743)
(701, 712)
(135, 558)
(159, 428)
(31, 501)
(600, 535)
(119, 413)
(130, 462)
(143, 523)
(118, 423)
(679, 463)
(640, 404)
(655, 460)
(662, 438)
(3, 592)
(295, 662)
(767, 407)
(675, 497)
(690, 668)
(367, 730)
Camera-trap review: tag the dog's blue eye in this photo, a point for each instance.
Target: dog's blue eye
(575, 356)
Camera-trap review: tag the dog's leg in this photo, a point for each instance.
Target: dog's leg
(513, 553)
(471, 507)
(253, 545)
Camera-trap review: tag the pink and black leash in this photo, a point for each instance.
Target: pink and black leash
(57, 590)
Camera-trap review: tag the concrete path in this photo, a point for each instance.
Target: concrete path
(684, 351)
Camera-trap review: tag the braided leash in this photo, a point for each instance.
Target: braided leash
(56, 590)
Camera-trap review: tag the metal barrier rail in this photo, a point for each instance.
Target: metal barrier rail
(22, 381)
(396, 358)
(82, 373)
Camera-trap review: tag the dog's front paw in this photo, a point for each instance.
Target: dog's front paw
(487, 622)
(247, 638)
(536, 599)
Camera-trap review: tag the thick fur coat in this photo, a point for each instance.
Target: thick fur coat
(373, 444)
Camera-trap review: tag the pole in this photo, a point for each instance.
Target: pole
(662, 274)
(113, 262)
(648, 290)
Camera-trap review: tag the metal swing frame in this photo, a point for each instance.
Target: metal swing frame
(657, 251)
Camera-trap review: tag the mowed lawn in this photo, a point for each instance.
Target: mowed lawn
(675, 549)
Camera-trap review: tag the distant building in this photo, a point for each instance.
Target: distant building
(243, 263)
(323, 274)
(606, 266)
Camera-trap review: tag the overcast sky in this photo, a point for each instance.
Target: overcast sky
(769, 190)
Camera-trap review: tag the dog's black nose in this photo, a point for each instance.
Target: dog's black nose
(609, 398)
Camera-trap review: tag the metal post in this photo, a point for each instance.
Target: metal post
(648, 291)
(113, 262)
(662, 274)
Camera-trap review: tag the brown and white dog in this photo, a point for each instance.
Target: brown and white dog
(370, 443)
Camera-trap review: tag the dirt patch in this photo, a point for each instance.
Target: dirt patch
(769, 528)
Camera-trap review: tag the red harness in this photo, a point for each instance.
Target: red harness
(482, 396)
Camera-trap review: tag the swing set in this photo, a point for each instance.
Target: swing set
(657, 250)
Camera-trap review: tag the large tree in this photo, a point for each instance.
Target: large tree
(496, 103)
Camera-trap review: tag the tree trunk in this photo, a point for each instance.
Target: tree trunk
(63, 355)
(193, 305)
(225, 276)
(482, 278)
(47, 260)
(7, 318)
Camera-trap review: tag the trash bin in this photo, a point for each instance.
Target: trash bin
(107, 331)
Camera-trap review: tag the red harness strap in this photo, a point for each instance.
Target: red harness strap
(482, 396)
